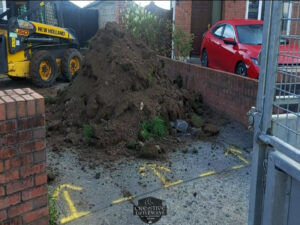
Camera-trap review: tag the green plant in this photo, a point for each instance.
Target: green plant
(197, 121)
(153, 128)
(50, 100)
(53, 214)
(88, 132)
(183, 43)
(154, 31)
(150, 78)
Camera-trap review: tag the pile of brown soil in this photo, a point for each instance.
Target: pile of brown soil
(121, 85)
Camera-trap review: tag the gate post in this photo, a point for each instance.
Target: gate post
(262, 120)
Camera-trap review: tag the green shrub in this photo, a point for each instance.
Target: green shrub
(197, 121)
(88, 132)
(53, 214)
(156, 32)
(153, 128)
(183, 43)
(150, 78)
(49, 100)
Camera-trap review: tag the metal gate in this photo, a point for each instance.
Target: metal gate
(275, 184)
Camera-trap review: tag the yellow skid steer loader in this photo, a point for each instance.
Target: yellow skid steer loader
(32, 48)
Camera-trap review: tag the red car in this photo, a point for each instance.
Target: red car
(234, 46)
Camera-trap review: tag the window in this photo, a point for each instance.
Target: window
(250, 34)
(228, 32)
(287, 11)
(255, 9)
(218, 31)
(3, 8)
(46, 14)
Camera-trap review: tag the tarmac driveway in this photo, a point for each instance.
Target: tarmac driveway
(208, 184)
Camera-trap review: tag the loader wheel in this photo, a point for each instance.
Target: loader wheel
(71, 63)
(43, 69)
(16, 78)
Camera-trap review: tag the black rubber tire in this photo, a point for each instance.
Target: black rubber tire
(16, 78)
(241, 69)
(65, 69)
(204, 58)
(35, 62)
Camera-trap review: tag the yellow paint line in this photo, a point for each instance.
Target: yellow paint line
(173, 183)
(243, 159)
(162, 179)
(238, 167)
(163, 168)
(237, 153)
(234, 150)
(207, 173)
(142, 170)
(120, 200)
(74, 213)
(60, 187)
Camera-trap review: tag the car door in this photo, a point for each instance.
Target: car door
(229, 52)
(214, 47)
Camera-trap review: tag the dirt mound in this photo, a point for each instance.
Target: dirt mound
(121, 85)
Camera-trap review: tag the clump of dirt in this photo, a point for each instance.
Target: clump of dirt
(121, 85)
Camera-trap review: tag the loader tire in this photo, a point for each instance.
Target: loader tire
(71, 64)
(43, 69)
(16, 78)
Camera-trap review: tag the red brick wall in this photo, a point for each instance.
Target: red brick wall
(228, 93)
(23, 178)
(183, 15)
(233, 9)
(294, 30)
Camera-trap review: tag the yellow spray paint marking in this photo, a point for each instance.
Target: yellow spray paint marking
(74, 213)
(238, 167)
(120, 200)
(155, 169)
(207, 173)
(169, 184)
(60, 187)
(143, 170)
(237, 153)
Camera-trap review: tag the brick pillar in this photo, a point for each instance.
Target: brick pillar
(23, 178)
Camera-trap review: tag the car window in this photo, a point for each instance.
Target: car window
(228, 32)
(218, 31)
(250, 34)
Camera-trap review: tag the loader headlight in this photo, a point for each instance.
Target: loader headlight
(25, 24)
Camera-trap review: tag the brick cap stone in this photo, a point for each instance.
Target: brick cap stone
(20, 102)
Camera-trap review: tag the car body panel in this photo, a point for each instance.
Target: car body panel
(224, 56)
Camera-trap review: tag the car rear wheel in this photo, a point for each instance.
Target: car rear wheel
(241, 69)
(204, 58)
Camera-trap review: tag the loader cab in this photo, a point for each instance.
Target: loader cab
(49, 14)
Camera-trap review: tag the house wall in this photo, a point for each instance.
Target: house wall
(294, 29)
(232, 9)
(183, 15)
(107, 13)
